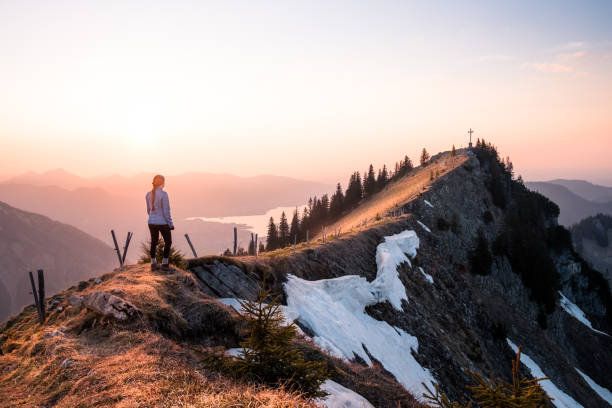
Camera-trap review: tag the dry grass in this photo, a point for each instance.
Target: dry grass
(397, 193)
(80, 360)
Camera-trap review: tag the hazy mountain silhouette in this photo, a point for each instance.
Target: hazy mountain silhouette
(31, 241)
(573, 206)
(98, 204)
(586, 190)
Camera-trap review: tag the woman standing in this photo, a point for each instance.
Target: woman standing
(160, 220)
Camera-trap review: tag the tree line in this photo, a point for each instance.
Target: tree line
(322, 211)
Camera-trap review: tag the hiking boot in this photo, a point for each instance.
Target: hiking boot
(155, 267)
(165, 267)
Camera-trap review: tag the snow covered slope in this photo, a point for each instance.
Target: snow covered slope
(575, 311)
(334, 309)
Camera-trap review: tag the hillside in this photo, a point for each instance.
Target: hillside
(593, 240)
(573, 207)
(473, 265)
(29, 242)
(586, 190)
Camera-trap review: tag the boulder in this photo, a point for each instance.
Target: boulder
(110, 306)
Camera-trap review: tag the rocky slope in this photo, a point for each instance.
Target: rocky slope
(463, 320)
(29, 242)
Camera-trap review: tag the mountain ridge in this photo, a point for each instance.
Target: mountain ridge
(460, 319)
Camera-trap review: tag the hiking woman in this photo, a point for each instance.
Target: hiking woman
(160, 221)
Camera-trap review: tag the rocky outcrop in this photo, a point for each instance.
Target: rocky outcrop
(110, 306)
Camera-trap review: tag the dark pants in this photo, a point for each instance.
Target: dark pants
(166, 235)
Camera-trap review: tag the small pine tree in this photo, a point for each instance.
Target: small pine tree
(261, 247)
(268, 355)
(522, 393)
(176, 257)
(424, 157)
(453, 152)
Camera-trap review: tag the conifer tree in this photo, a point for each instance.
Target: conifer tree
(383, 178)
(324, 217)
(283, 231)
(304, 224)
(272, 241)
(269, 355)
(453, 151)
(261, 247)
(336, 204)
(354, 192)
(369, 182)
(294, 229)
(424, 157)
(521, 393)
(407, 164)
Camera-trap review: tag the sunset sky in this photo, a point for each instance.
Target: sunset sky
(305, 89)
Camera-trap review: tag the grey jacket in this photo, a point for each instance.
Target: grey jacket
(161, 214)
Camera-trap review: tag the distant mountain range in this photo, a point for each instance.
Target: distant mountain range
(97, 205)
(31, 241)
(577, 199)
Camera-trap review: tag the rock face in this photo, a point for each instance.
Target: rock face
(226, 281)
(110, 306)
(461, 320)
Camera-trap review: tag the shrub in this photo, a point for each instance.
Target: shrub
(480, 257)
(176, 257)
(487, 216)
(442, 224)
(499, 331)
(269, 355)
(455, 226)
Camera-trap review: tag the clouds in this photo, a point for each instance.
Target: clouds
(566, 59)
(547, 67)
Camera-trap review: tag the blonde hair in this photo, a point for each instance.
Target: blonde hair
(158, 180)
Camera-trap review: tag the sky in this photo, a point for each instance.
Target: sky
(307, 89)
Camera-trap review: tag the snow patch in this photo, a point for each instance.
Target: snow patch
(342, 397)
(426, 275)
(334, 310)
(423, 226)
(428, 203)
(560, 399)
(604, 393)
(575, 311)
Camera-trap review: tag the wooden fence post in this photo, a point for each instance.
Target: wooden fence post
(235, 240)
(41, 294)
(36, 302)
(125, 248)
(191, 246)
(117, 248)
